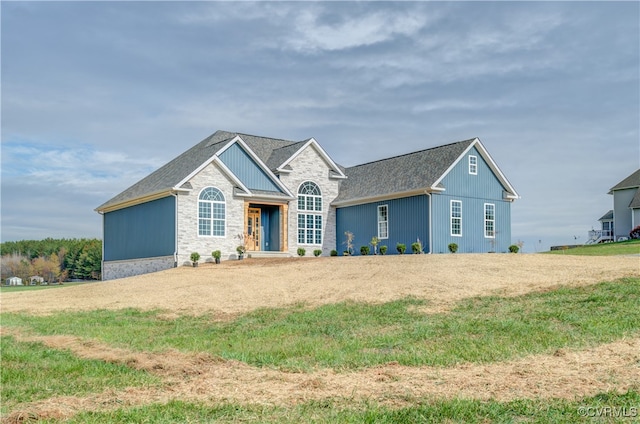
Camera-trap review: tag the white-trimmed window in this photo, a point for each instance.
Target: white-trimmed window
(211, 213)
(473, 165)
(489, 220)
(309, 213)
(383, 221)
(456, 217)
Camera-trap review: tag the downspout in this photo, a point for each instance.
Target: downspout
(430, 220)
(175, 229)
(102, 263)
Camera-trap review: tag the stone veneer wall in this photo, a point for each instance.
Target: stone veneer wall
(310, 166)
(127, 268)
(187, 235)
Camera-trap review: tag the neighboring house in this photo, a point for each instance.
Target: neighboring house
(13, 281)
(625, 215)
(605, 233)
(277, 195)
(35, 280)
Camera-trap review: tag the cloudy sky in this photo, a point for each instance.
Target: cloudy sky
(96, 95)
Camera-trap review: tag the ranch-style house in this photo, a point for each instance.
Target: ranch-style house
(274, 196)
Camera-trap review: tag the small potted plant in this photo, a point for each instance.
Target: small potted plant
(240, 249)
(401, 247)
(453, 247)
(302, 251)
(317, 252)
(374, 242)
(195, 257)
(383, 249)
(216, 256)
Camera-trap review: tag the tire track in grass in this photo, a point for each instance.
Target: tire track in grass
(567, 374)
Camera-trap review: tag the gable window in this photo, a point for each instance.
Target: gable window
(309, 214)
(383, 222)
(211, 213)
(456, 218)
(473, 165)
(489, 220)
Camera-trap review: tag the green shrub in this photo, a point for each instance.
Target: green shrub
(416, 247)
(453, 247)
(216, 254)
(514, 249)
(301, 251)
(317, 252)
(334, 252)
(195, 257)
(364, 250)
(401, 248)
(383, 249)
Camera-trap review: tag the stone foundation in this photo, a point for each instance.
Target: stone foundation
(121, 269)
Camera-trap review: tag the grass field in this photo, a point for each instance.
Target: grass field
(629, 247)
(563, 354)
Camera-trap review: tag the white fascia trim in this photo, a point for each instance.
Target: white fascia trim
(135, 201)
(371, 199)
(492, 164)
(261, 164)
(231, 175)
(213, 159)
(321, 151)
(258, 197)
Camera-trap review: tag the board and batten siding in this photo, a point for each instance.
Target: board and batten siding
(408, 220)
(141, 231)
(247, 170)
(473, 191)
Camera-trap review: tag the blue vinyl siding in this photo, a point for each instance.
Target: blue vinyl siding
(408, 221)
(247, 170)
(141, 231)
(472, 239)
(473, 191)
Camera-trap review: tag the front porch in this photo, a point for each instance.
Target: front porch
(265, 229)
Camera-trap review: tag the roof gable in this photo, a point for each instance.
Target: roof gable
(175, 175)
(334, 170)
(421, 171)
(631, 181)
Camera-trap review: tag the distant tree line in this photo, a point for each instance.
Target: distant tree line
(52, 259)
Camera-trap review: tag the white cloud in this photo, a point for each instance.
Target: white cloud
(312, 35)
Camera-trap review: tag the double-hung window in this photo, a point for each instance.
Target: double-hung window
(456, 217)
(309, 214)
(473, 165)
(489, 220)
(211, 213)
(383, 222)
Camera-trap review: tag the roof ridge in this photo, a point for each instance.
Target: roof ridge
(412, 153)
(267, 138)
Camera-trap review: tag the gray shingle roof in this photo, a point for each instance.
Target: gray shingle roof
(631, 181)
(405, 173)
(166, 177)
(607, 216)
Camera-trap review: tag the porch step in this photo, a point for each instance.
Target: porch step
(267, 254)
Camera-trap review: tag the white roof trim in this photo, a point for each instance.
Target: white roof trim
(489, 160)
(261, 164)
(312, 142)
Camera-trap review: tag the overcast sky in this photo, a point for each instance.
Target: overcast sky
(96, 95)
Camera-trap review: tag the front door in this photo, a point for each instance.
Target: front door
(253, 229)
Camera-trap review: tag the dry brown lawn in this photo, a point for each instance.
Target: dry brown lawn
(239, 286)
(236, 287)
